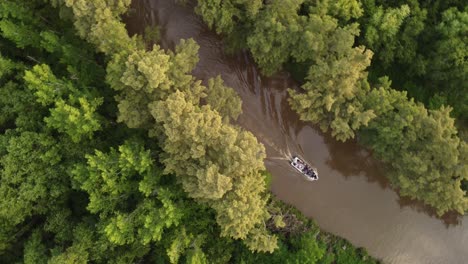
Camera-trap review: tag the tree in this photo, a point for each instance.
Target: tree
(308, 250)
(76, 122)
(213, 161)
(146, 76)
(449, 66)
(276, 31)
(16, 103)
(333, 95)
(422, 148)
(34, 250)
(223, 99)
(231, 18)
(344, 10)
(7, 67)
(322, 39)
(77, 116)
(132, 74)
(22, 195)
(146, 79)
(224, 15)
(112, 180)
(382, 29)
(98, 22)
(411, 52)
(47, 88)
(22, 34)
(189, 245)
(183, 61)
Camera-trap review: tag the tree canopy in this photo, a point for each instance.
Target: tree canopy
(87, 153)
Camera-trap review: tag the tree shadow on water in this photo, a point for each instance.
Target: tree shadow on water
(450, 219)
(350, 159)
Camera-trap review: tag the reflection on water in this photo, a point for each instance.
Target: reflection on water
(352, 198)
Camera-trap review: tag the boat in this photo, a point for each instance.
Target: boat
(304, 168)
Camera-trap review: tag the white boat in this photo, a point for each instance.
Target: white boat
(304, 168)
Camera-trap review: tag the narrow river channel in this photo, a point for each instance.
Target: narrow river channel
(352, 199)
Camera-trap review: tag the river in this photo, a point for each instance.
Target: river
(352, 199)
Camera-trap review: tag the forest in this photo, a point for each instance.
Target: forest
(390, 74)
(112, 152)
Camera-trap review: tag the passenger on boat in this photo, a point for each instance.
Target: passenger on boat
(299, 161)
(314, 175)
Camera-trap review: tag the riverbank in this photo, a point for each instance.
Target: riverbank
(337, 250)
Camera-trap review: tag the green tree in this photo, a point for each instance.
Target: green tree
(145, 76)
(382, 29)
(98, 21)
(34, 249)
(76, 122)
(183, 61)
(77, 116)
(145, 79)
(7, 67)
(22, 34)
(187, 245)
(23, 196)
(323, 39)
(308, 250)
(112, 179)
(421, 146)
(276, 31)
(449, 66)
(47, 88)
(16, 101)
(213, 162)
(344, 10)
(223, 99)
(232, 18)
(334, 93)
(224, 15)
(418, 55)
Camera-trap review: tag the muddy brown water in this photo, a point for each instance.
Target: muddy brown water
(352, 199)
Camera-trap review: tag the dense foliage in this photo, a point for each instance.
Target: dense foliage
(112, 158)
(329, 46)
(422, 47)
